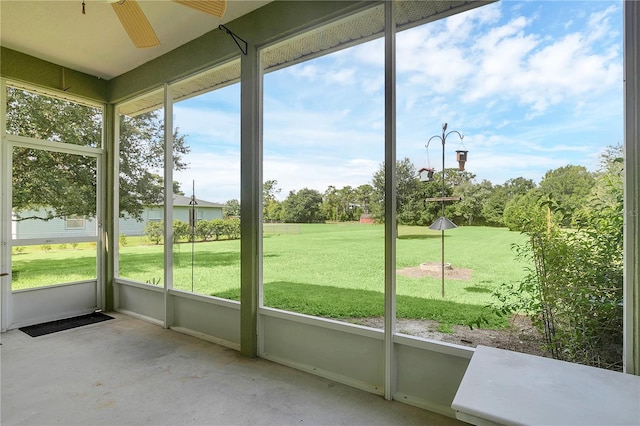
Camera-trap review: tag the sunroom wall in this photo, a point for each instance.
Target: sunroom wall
(427, 373)
(350, 354)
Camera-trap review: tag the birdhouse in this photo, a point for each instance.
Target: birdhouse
(462, 158)
(426, 174)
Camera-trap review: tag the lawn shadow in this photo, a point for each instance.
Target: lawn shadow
(343, 303)
(41, 269)
(418, 236)
(478, 289)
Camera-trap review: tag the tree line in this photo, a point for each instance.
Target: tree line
(567, 188)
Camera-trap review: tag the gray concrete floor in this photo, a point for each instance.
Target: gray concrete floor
(130, 372)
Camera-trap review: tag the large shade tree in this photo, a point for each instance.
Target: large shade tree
(407, 190)
(570, 188)
(501, 195)
(303, 206)
(61, 184)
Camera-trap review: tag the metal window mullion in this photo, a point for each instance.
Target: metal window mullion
(168, 202)
(115, 184)
(390, 201)
(65, 148)
(101, 251)
(631, 286)
(5, 213)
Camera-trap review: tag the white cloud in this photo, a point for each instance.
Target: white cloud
(317, 173)
(307, 71)
(208, 123)
(216, 176)
(341, 77)
(513, 61)
(599, 25)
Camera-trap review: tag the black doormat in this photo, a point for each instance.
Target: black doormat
(64, 324)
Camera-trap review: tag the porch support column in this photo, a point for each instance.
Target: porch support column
(168, 205)
(110, 214)
(631, 351)
(390, 230)
(250, 199)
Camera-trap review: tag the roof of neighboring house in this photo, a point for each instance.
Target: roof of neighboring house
(184, 201)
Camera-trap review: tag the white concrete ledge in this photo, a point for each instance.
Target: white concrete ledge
(511, 388)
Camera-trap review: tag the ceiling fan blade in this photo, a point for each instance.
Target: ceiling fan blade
(135, 23)
(212, 7)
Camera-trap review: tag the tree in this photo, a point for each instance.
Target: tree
(142, 152)
(363, 197)
(473, 197)
(346, 195)
(570, 187)
(304, 206)
(44, 179)
(232, 208)
(176, 188)
(330, 203)
(609, 175)
(269, 201)
(523, 211)
(407, 190)
(494, 206)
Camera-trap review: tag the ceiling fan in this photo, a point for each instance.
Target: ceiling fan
(138, 27)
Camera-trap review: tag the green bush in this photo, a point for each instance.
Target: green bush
(574, 291)
(204, 230)
(232, 228)
(217, 226)
(154, 231)
(181, 231)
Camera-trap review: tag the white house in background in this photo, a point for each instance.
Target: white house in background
(205, 210)
(75, 226)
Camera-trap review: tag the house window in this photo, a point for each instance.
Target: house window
(74, 222)
(155, 215)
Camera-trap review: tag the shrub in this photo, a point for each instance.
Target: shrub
(573, 293)
(154, 231)
(204, 230)
(181, 231)
(232, 228)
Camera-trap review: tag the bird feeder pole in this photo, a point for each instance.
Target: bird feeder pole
(443, 223)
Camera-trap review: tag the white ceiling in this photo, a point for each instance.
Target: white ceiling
(96, 43)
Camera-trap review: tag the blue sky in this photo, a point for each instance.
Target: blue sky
(532, 85)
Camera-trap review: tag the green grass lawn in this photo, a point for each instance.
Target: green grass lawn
(329, 270)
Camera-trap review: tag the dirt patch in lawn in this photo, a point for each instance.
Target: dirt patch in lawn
(450, 274)
(521, 336)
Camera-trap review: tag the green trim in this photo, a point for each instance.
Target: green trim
(110, 237)
(632, 188)
(20, 67)
(251, 201)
